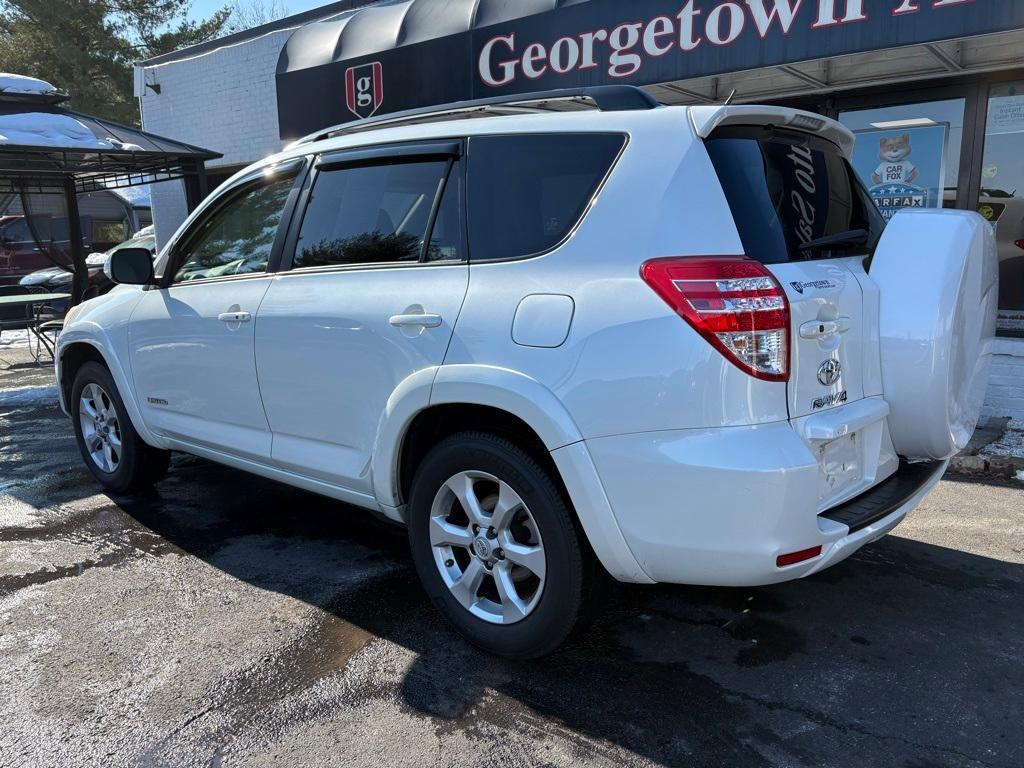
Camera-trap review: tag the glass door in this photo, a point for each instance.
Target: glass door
(1002, 197)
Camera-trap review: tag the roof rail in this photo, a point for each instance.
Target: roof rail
(607, 98)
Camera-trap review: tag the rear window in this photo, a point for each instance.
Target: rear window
(527, 193)
(789, 190)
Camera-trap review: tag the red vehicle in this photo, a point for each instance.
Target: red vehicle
(107, 219)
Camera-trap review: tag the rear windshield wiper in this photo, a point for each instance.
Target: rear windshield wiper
(850, 237)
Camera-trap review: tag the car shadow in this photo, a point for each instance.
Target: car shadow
(904, 651)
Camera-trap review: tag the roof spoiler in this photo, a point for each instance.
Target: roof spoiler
(707, 118)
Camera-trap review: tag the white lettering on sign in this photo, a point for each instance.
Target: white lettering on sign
(624, 48)
(364, 91)
(853, 11)
(782, 10)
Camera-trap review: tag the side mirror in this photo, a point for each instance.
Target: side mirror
(130, 266)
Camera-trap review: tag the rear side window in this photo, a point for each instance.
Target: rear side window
(527, 193)
(793, 197)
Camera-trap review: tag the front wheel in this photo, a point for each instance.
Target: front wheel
(111, 448)
(497, 548)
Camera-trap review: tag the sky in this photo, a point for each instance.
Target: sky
(202, 9)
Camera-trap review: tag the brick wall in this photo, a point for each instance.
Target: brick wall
(224, 100)
(1006, 384)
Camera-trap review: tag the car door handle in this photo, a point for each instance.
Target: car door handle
(822, 329)
(234, 317)
(416, 321)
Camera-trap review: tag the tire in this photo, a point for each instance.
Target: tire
(544, 609)
(123, 463)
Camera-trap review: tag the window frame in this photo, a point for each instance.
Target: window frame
(225, 198)
(626, 139)
(405, 153)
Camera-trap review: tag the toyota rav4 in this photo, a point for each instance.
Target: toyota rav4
(664, 344)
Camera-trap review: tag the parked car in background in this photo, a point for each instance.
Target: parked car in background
(669, 344)
(58, 280)
(107, 218)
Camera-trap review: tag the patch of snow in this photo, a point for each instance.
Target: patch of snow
(20, 84)
(127, 146)
(1010, 444)
(12, 339)
(43, 129)
(139, 196)
(1020, 475)
(28, 396)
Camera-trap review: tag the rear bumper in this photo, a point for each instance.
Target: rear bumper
(719, 506)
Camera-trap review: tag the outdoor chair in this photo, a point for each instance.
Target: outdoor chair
(14, 318)
(48, 324)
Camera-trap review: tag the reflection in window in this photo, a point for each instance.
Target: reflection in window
(238, 238)
(1002, 197)
(378, 215)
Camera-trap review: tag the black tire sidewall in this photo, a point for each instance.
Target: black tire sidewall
(131, 468)
(556, 614)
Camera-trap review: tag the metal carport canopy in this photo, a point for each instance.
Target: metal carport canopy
(57, 144)
(403, 54)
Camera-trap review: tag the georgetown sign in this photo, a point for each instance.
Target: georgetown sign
(655, 41)
(599, 42)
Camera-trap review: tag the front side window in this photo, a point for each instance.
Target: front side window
(381, 214)
(527, 193)
(238, 237)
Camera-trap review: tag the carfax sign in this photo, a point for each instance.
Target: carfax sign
(903, 167)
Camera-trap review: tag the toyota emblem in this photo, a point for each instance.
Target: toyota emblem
(829, 372)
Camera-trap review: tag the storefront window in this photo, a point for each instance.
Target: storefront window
(909, 155)
(1002, 197)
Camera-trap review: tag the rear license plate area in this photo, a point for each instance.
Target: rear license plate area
(840, 465)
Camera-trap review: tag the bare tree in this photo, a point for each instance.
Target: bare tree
(246, 14)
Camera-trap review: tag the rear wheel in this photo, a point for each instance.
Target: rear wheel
(112, 449)
(497, 548)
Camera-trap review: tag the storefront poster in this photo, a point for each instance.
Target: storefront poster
(903, 167)
(1005, 115)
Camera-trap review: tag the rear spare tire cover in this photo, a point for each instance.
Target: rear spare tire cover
(938, 275)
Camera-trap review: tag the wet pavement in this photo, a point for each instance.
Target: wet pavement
(230, 621)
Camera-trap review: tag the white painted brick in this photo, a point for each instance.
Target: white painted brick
(224, 100)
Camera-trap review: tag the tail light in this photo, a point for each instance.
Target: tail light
(734, 303)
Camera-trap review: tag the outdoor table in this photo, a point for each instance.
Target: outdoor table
(35, 302)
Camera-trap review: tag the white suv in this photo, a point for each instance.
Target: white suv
(662, 343)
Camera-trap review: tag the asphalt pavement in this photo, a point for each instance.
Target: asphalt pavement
(225, 620)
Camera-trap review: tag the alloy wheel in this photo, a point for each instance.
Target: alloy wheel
(487, 547)
(101, 429)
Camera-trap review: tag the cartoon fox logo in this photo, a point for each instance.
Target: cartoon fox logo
(895, 168)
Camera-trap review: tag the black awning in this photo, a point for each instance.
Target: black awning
(42, 144)
(403, 54)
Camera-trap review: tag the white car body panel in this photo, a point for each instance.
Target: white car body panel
(680, 466)
(937, 322)
(195, 375)
(318, 326)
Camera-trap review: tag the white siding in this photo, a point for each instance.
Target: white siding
(224, 100)
(1006, 384)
